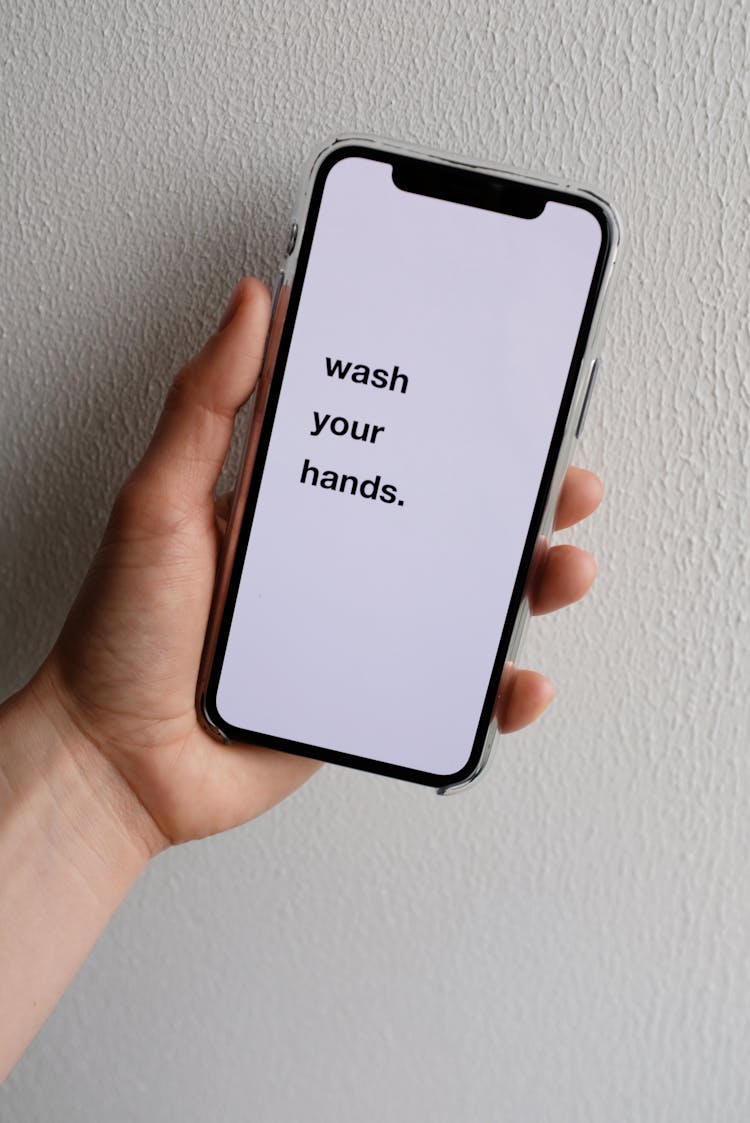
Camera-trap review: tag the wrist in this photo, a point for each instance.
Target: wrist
(57, 776)
(72, 842)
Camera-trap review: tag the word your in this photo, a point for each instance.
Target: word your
(364, 376)
(368, 489)
(340, 426)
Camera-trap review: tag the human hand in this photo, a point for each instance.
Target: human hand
(123, 671)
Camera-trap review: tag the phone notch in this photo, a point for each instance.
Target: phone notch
(472, 189)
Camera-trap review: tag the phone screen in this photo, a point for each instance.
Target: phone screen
(403, 458)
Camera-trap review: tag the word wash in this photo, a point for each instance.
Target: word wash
(323, 424)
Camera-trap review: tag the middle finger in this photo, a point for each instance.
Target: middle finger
(564, 576)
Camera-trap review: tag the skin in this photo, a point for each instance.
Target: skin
(102, 761)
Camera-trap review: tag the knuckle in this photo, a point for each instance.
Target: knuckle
(180, 390)
(143, 508)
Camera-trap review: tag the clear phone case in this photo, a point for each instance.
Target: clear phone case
(282, 288)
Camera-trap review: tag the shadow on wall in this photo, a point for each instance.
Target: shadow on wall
(83, 429)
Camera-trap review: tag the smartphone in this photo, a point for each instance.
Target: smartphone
(429, 360)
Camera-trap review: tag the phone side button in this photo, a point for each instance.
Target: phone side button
(278, 282)
(587, 397)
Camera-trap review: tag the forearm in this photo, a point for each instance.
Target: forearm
(69, 851)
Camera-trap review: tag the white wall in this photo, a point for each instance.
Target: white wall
(571, 941)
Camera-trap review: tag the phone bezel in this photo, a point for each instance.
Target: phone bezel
(432, 165)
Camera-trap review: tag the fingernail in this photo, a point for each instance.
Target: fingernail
(546, 697)
(232, 306)
(592, 562)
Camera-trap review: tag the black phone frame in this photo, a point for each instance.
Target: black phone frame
(453, 178)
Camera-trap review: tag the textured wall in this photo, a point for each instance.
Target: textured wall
(571, 941)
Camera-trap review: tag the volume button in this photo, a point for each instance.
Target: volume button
(276, 290)
(587, 397)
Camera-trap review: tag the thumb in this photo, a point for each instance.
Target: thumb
(192, 437)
